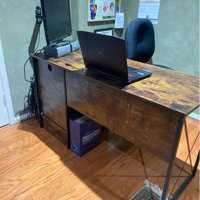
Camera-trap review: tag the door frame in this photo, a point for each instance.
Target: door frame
(6, 87)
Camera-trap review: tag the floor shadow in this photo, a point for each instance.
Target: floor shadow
(114, 169)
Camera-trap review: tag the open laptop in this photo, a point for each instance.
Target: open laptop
(106, 56)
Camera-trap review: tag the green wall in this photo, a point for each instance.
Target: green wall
(177, 36)
(17, 19)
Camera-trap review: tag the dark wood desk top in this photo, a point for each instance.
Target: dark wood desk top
(171, 89)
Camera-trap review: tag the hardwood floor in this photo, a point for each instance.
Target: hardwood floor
(35, 165)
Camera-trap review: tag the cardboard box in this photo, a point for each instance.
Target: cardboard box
(84, 134)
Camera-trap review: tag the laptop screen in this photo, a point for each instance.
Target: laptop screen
(104, 54)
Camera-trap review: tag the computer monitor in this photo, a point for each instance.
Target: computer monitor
(57, 20)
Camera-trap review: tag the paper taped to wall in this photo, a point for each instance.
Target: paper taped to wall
(119, 20)
(149, 9)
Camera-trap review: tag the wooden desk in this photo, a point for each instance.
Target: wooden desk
(149, 113)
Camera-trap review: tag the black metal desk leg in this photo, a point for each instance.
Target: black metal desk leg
(37, 92)
(173, 155)
(188, 180)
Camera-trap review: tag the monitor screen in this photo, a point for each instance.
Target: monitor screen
(56, 18)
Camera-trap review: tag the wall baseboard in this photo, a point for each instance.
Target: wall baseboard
(195, 116)
(22, 117)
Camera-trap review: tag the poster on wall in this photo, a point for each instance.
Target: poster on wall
(100, 10)
(149, 9)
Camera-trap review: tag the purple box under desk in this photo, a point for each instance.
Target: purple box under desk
(84, 134)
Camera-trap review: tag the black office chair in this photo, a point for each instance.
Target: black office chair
(140, 41)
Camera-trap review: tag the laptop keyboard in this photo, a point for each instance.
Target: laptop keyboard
(134, 73)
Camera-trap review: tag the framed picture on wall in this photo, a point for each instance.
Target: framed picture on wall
(107, 31)
(103, 10)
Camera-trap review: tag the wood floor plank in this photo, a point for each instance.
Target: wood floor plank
(35, 165)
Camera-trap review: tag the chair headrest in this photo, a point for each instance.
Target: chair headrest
(140, 40)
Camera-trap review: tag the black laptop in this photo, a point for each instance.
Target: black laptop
(106, 56)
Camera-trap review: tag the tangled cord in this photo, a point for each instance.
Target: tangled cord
(30, 100)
